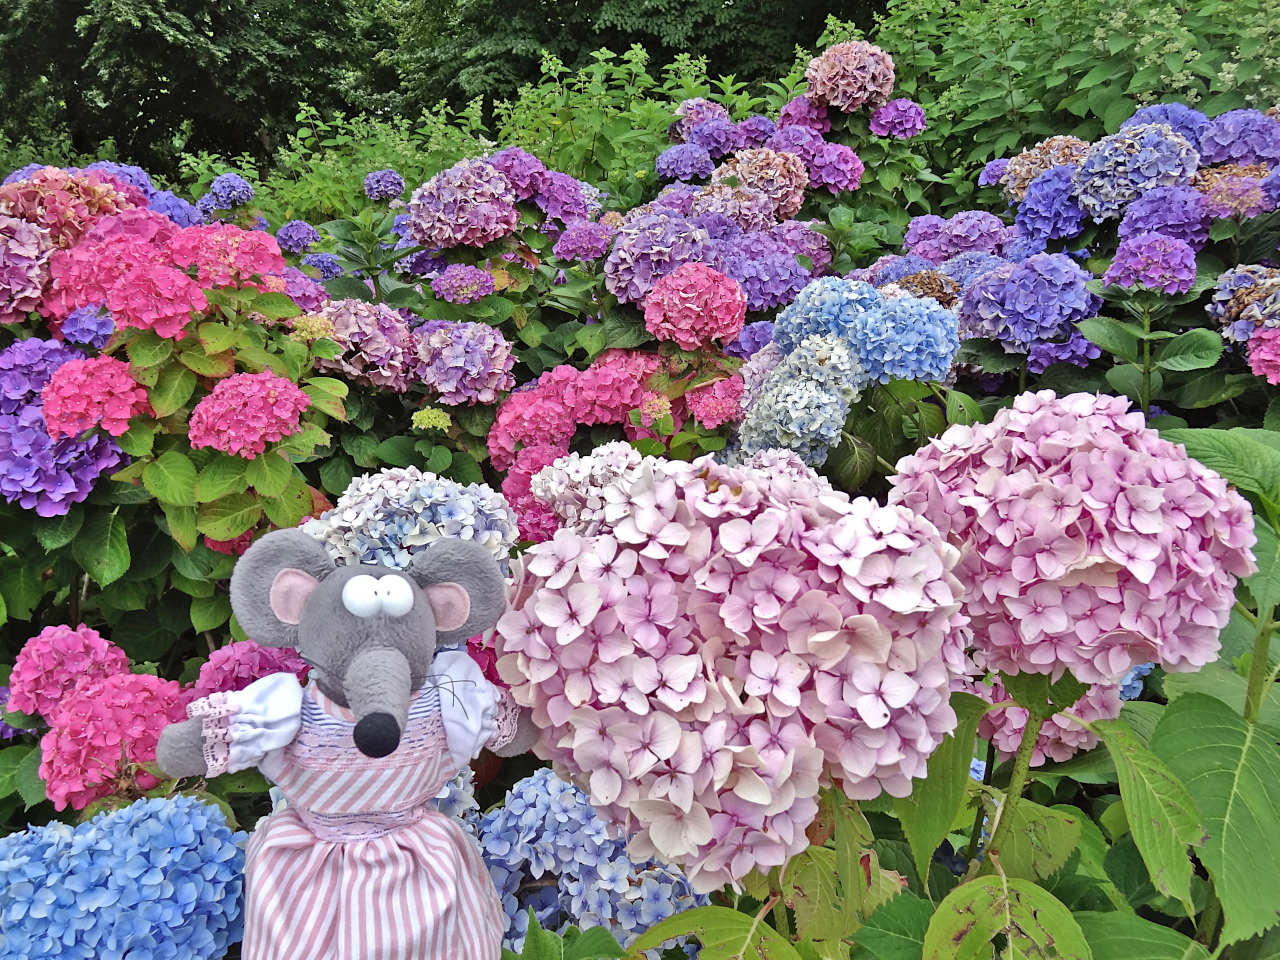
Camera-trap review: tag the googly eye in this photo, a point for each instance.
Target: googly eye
(396, 594)
(360, 596)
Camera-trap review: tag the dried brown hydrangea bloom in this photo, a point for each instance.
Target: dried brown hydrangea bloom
(1045, 155)
(932, 283)
(1206, 178)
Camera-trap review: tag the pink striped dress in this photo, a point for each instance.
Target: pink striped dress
(358, 865)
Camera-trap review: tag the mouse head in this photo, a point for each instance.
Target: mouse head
(369, 632)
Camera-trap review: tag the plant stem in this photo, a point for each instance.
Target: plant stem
(781, 922)
(1208, 921)
(975, 835)
(1018, 780)
(1146, 361)
(1259, 668)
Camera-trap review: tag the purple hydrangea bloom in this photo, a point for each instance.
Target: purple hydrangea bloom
(1154, 261)
(973, 230)
(521, 169)
(924, 238)
(1040, 299)
(755, 130)
(753, 337)
(171, 205)
(297, 236)
(677, 197)
(835, 166)
(1241, 136)
(965, 268)
(1184, 120)
(584, 240)
(1240, 198)
(803, 141)
(1179, 212)
(464, 362)
(22, 173)
(326, 263)
(684, 161)
(1075, 350)
(7, 732)
(378, 348)
(692, 112)
(383, 185)
(1271, 187)
(647, 249)
(424, 263)
(993, 172)
(767, 269)
(1022, 248)
(803, 112)
(229, 190)
(895, 269)
(461, 283)
(303, 290)
(802, 239)
(1122, 167)
(564, 198)
(25, 368)
(1048, 210)
(91, 325)
(718, 225)
(125, 173)
(718, 136)
(901, 119)
(46, 475)
(469, 204)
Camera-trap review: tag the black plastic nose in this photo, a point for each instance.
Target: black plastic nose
(377, 735)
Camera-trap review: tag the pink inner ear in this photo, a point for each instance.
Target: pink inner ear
(451, 604)
(289, 592)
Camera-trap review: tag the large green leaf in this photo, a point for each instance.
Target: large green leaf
(1112, 336)
(268, 473)
(1246, 462)
(1162, 817)
(1038, 842)
(102, 548)
(928, 813)
(227, 518)
(1034, 923)
(1126, 936)
(171, 479)
(1232, 769)
(1265, 584)
(1193, 350)
(11, 761)
(223, 475)
(724, 934)
(896, 930)
(1222, 683)
(55, 532)
(172, 390)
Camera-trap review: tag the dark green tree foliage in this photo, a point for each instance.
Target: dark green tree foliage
(161, 76)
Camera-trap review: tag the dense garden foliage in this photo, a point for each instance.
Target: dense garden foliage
(886, 466)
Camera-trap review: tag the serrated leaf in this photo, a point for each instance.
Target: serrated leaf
(139, 439)
(1211, 388)
(195, 358)
(216, 337)
(1163, 818)
(326, 402)
(56, 532)
(810, 888)
(1038, 842)
(268, 473)
(182, 524)
(228, 517)
(222, 476)
(277, 306)
(27, 780)
(896, 930)
(1111, 336)
(1265, 584)
(102, 548)
(724, 934)
(209, 613)
(928, 813)
(596, 943)
(11, 760)
(288, 509)
(1034, 923)
(1193, 350)
(171, 478)
(1218, 681)
(336, 473)
(172, 390)
(1231, 769)
(348, 288)
(1127, 936)
(397, 451)
(148, 349)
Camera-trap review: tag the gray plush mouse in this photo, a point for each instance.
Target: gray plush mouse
(360, 753)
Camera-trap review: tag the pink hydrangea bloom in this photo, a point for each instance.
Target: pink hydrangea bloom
(378, 348)
(1089, 543)
(239, 664)
(65, 204)
(573, 487)
(155, 297)
(780, 176)
(245, 412)
(100, 727)
(714, 404)
(233, 547)
(1061, 738)
(534, 518)
(727, 640)
(24, 267)
(848, 75)
(695, 305)
(95, 391)
(225, 255)
(51, 663)
(1264, 354)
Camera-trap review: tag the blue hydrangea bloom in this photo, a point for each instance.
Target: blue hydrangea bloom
(1184, 120)
(126, 173)
(907, 338)
(752, 338)
(965, 268)
(229, 190)
(161, 879)
(1040, 299)
(91, 325)
(901, 267)
(326, 263)
(297, 236)
(828, 305)
(755, 130)
(1048, 210)
(1023, 248)
(175, 208)
(1131, 683)
(1122, 167)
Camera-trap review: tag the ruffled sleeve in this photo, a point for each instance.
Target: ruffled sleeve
(240, 728)
(476, 713)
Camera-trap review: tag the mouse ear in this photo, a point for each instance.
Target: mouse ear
(272, 582)
(465, 586)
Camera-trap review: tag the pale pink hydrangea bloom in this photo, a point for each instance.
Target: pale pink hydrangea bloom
(782, 177)
(1089, 543)
(723, 643)
(95, 391)
(1061, 738)
(848, 75)
(51, 663)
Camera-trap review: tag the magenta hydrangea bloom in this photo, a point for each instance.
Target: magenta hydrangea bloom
(585, 240)
(462, 283)
(239, 664)
(1154, 261)
(694, 306)
(831, 618)
(802, 112)
(469, 204)
(91, 392)
(24, 267)
(464, 362)
(54, 661)
(520, 167)
(901, 119)
(848, 75)
(378, 348)
(835, 167)
(245, 412)
(1264, 354)
(692, 112)
(647, 249)
(717, 403)
(1089, 544)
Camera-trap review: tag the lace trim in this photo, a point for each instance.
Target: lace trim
(506, 718)
(214, 713)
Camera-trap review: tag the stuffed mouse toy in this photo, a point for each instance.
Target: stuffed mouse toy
(358, 865)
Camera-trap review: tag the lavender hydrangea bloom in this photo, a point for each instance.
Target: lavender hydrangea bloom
(752, 338)
(326, 263)
(464, 362)
(749, 209)
(1122, 167)
(718, 225)
(25, 250)
(303, 290)
(900, 267)
(469, 204)
(1075, 350)
(175, 208)
(684, 161)
(22, 173)
(924, 238)
(755, 130)
(462, 283)
(25, 368)
(91, 325)
(1271, 187)
(965, 268)
(766, 268)
(718, 136)
(125, 173)
(802, 239)
(836, 167)
(46, 475)
(803, 112)
(1048, 210)
(993, 172)
(1182, 119)
(973, 230)
(229, 190)
(803, 141)
(521, 169)
(1040, 299)
(647, 249)
(1241, 136)
(297, 236)
(1154, 261)
(692, 112)
(564, 198)
(901, 119)
(1239, 198)
(1179, 212)
(585, 240)
(383, 185)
